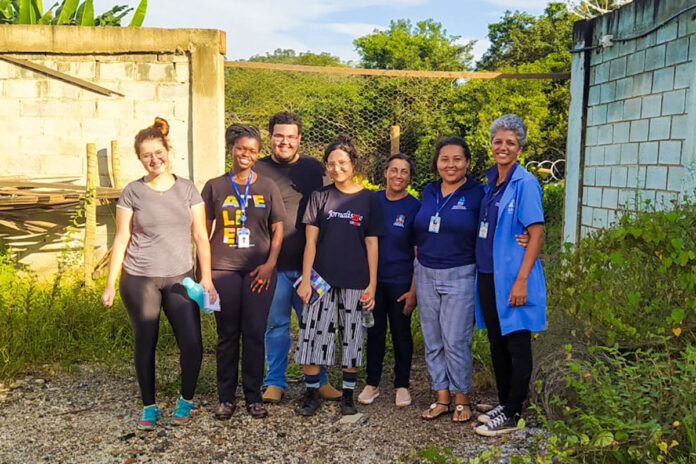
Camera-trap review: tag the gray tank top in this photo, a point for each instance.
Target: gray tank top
(160, 244)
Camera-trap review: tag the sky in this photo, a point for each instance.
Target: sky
(260, 26)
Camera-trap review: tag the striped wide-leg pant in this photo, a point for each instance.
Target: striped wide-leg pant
(317, 336)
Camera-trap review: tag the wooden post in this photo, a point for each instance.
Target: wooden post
(395, 137)
(116, 164)
(90, 205)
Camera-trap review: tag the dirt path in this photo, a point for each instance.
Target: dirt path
(89, 416)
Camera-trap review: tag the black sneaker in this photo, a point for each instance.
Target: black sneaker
(347, 405)
(310, 403)
(492, 414)
(498, 425)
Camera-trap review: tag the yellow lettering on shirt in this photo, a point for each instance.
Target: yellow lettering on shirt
(259, 201)
(226, 218)
(228, 235)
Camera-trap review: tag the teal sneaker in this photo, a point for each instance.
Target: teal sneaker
(182, 413)
(148, 420)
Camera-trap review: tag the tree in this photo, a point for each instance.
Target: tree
(522, 43)
(68, 12)
(588, 9)
(289, 56)
(423, 47)
(522, 38)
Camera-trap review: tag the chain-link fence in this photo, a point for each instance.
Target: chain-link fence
(364, 107)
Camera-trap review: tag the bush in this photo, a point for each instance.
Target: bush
(625, 285)
(64, 321)
(615, 373)
(627, 407)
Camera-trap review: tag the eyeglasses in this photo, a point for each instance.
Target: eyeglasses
(343, 164)
(290, 138)
(148, 156)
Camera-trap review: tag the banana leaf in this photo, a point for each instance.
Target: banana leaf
(26, 11)
(85, 15)
(7, 12)
(47, 17)
(139, 15)
(67, 11)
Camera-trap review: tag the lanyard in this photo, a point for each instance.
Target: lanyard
(493, 194)
(438, 208)
(242, 201)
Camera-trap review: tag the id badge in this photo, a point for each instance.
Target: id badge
(483, 229)
(243, 237)
(434, 226)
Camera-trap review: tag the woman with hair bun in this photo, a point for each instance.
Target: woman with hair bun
(156, 217)
(343, 224)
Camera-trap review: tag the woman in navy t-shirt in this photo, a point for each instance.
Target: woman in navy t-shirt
(396, 295)
(343, 223)
(444, 271)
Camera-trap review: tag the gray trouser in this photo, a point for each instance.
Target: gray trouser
(446, 308)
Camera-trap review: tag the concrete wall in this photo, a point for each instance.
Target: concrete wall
(46, 122)
(632, 115)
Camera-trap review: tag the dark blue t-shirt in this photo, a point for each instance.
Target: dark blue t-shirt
(489, 213)
(396, 248)
(455, 243)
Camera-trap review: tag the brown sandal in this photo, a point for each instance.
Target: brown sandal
(459, 409)
(432, 408)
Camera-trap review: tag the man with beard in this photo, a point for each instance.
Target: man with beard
(297, 176)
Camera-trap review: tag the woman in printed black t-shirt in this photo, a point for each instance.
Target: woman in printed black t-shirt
(248, 212)
(343, 223)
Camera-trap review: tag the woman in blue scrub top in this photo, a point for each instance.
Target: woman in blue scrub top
(511, 292)
(395, 297)
(444, 271)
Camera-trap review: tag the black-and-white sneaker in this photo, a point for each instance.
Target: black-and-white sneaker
(497, 426)
(492, 414)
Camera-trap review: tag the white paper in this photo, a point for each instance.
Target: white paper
(211, 306)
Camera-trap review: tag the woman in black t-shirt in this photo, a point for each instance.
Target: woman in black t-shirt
(343, 223)
(248, 232)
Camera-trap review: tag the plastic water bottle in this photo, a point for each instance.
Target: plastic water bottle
(368, 318)
(196, 293)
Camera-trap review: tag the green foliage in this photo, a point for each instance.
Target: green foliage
(552, 202)
(626, 407)
(68, 12)
(522, 38)
(403, 46)
(139, 14)
(288, 56)
(626, 284)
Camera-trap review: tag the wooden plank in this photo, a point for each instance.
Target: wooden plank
(62, 76)
(55, 186)
(393, 72)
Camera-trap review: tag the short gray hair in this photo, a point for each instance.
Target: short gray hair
(510, 122)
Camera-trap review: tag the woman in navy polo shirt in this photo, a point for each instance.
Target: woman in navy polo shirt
(396, 295)
(511, 292)
(444, 270)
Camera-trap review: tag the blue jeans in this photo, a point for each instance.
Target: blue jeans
(278, 330)
(446, 309)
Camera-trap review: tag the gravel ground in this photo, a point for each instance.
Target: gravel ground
(89, 415)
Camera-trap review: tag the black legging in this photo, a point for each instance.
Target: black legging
(386, 307)
(242, 313)
(511, 354)
(143, 298)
